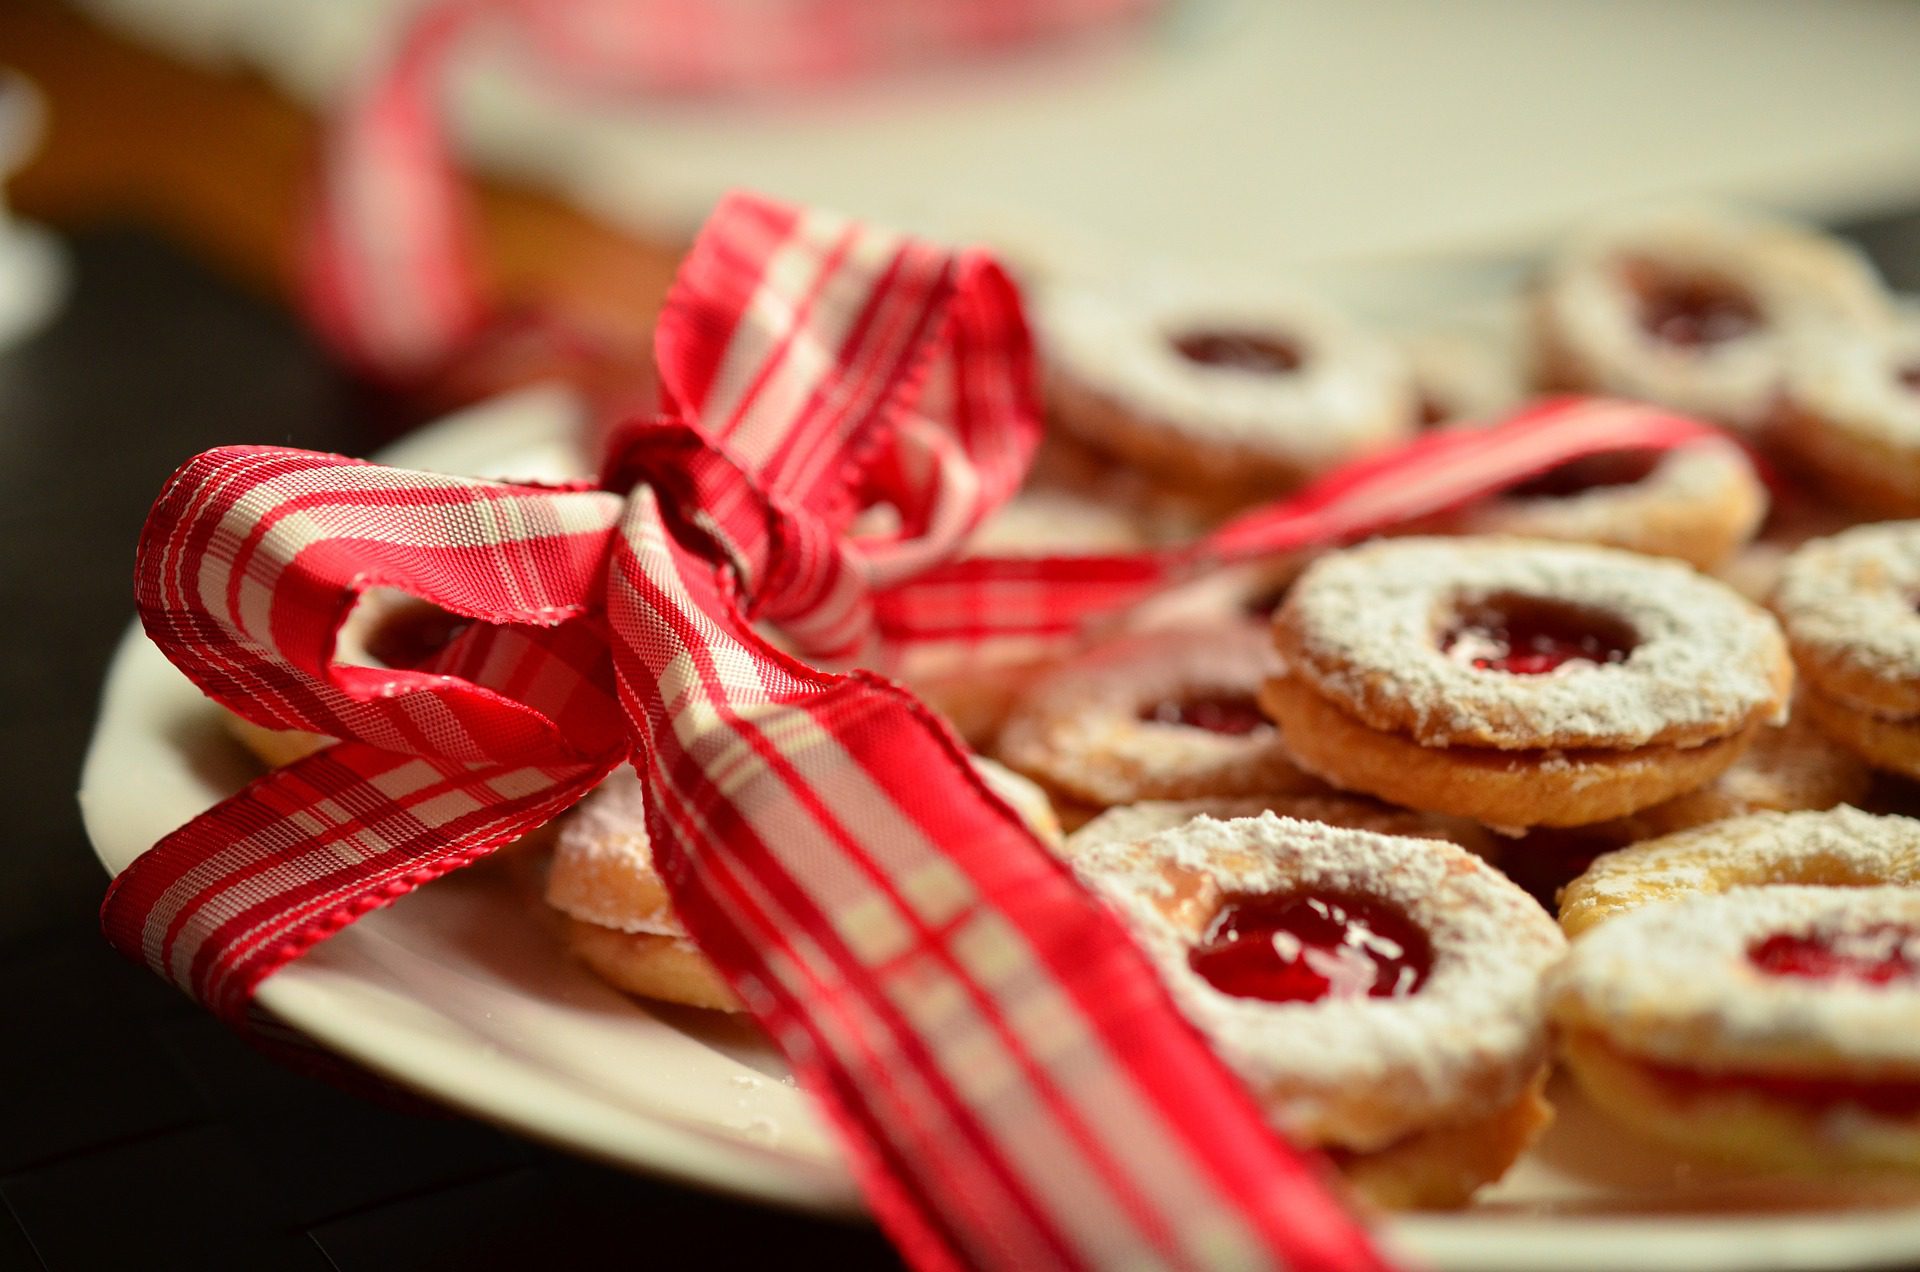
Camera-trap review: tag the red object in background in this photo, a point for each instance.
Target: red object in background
(391, 281)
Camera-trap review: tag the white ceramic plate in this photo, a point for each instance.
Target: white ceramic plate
(461, 991)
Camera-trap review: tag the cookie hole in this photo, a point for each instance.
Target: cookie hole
(1432, 410)
(1909, 375)
(1232, 714)
(1531, 636)
(1590, 472)
(1264, 603)
(1690, 311)
(1251, 352)
(412, 634)
(1302, 948)
(1878, 954)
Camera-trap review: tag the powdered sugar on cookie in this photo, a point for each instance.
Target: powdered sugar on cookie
(1358, 1071)
(1368, 628)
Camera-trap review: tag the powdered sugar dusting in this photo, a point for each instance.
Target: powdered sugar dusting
(1357, 1072)
(1795, 276)
(1131, 823)
(1706, 473)
(1851, 598)
(1840, 847)
(607, 834)
(1367, 627)
(1674, 982)
(1350, 394)
(1079, 728)
(1850, 381)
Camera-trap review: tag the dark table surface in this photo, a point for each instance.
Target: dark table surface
(134, 1131)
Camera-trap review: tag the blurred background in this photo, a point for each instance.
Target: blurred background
(1404, 156)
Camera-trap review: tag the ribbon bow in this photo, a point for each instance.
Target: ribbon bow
(1013, 1085)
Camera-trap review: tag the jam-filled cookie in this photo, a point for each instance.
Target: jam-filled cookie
(1695, 310)
(1837, 848)
(1520, 683)
(1752, 989)
(1380, 996)
(1850, 415)
(1848, 606)
(1700, 502)
(1167, 714)
(620, 921)
(1234, 399)
(1133, 822)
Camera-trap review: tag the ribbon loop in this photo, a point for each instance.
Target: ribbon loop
(254, 556)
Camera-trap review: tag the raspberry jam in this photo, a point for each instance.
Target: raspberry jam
(1594, 472)
(1300, 949)
(1909, 375)
(1882, 1099)
(1249, 351)
(1879, 954)
(1523, 636)
(410, 636)
(1235, 715)
(1691, 312)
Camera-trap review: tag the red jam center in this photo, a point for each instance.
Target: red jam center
(1595, 472)
(1233, 714)
(1691, 312)
(1300, 949)
(1909, 375)
(411, 636)
(1878, 955)
(1893, 1099)
(1248, 351)
(1525, 637)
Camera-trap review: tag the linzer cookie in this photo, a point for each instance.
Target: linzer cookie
(1839, 848)
(1848, 606)
(1380, 995)
(1773, 1026)
(1700, 503)
(1693, 309)
(1231, 398)
(1850, 415)
(1170, 714)
(1752, 990)
(1520, 683)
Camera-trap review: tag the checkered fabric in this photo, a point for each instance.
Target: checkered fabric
(391, 275)
(1012, 1085)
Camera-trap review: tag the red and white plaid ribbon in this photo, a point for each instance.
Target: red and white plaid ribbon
(391, 275)
(1010, 1080)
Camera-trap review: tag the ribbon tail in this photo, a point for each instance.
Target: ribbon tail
(1012, 1082)
(976, 609)
(256, 881)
